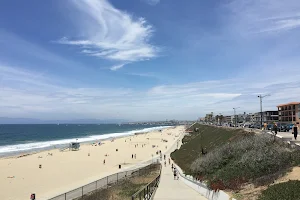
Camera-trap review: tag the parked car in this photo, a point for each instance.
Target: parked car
(270, 126)
(283, 127)
(251, 126)
(257, 126)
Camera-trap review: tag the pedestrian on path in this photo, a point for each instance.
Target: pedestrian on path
(275, 129)
(295, 130)
(169, 161)
(175, 173)
(104, 162)
(165, 163)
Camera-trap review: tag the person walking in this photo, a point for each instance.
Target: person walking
(275, 129)
(175, 173)
(295, 130)
(265, 126)
(104, 162)
(165, 163)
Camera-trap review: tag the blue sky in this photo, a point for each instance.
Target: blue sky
(146, 59)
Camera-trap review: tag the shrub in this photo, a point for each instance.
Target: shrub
(283, 191)
(244, 160)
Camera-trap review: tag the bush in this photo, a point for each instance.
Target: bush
(284, 191)
(247, 159)
(209, 138)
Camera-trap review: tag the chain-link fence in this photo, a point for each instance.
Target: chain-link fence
(105, 182)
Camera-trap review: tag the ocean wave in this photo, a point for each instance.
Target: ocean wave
(34, 146)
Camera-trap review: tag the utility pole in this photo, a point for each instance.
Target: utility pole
(235, 115)
(261, 112)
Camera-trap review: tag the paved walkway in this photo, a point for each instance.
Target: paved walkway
(170, 189)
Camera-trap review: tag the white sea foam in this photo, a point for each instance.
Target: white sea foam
(59, 143)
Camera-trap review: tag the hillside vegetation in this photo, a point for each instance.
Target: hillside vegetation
(234, 157)
(284, 191)
(210, 137)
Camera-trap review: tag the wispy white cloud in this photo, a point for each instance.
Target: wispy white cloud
(46, 98)
(116, 67)
(109, 33)
(152, 2)
(265, 16)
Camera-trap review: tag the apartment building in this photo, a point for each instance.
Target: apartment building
(228, 119)
(267, 116)
(289, 112)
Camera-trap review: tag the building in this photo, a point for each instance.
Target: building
(289, 112)
(268, 116)
(209, 117)
(228, 119)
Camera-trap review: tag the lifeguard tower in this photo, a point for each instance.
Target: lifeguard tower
(74, 146)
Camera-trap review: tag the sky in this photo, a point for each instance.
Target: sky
(146, 59)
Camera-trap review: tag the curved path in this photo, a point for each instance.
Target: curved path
(170, 189)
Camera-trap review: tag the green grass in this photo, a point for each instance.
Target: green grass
(284, 191)
(211, 137)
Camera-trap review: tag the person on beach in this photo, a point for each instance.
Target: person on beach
(164, 157)
(132, 156)
(295, 130)
(104, 162)
(172, 166)
(165, 163)
(169, 161)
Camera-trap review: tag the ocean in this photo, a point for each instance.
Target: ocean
(25, 138)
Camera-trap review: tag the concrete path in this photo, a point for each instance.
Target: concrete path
(170, 189)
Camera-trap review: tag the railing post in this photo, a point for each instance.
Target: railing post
(82, 191)
(107, 181)
(147, 191)
(117, 177)
(65, 196)
(96, 185)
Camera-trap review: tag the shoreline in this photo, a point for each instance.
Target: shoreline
(14, 154)
(64, 171)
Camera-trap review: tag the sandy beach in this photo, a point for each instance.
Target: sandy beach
(67, 170)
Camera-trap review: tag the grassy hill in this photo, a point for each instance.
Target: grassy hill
(208, 137)
(234, 157)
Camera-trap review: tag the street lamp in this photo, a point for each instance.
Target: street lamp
(235, 115)
(261, 113)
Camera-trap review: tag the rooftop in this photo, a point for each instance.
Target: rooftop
(288, 104)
